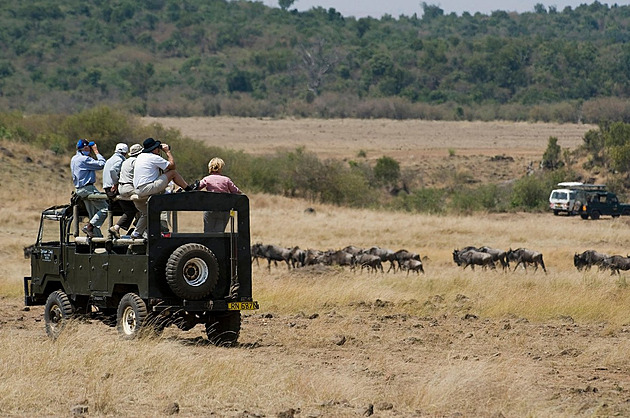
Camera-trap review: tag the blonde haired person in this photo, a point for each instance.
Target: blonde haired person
(217, 183)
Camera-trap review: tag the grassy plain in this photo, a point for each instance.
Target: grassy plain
(329, 342)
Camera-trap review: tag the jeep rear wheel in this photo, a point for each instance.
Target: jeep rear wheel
(131, 316)
(595, 215)
(57, 311)
(223, 329)
(192, 271)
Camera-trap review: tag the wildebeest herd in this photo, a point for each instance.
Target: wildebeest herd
(487, 257)
(590, 258)
(371, 259)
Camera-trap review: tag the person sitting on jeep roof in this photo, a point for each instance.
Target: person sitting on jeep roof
(217, 182)
(84, 168)
(111, 185)
(151, 175)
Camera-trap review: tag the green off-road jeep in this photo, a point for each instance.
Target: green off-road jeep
(179, 275)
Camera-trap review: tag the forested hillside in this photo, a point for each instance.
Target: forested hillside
(210, 57)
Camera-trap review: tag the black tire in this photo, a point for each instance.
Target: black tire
(223, 329)
(131, 316)
(57, 311)
(192, 271)
(584, 216)
(556, 212)
(595, 215)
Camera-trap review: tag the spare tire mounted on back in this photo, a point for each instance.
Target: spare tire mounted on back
(192, 271)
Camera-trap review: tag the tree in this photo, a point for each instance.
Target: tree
(551, 157)
(285, 4)
(387, 170)
(316, 63)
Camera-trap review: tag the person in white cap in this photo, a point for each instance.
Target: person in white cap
(111, 178)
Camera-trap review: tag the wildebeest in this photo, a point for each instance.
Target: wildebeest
(497, 255)
(616, 263)
(353, 250)
(524, 256)
(28, 251)
(402, 256)
(273, 253)
(413, 265)
(589, 258)
(472, 257)
(297, 257)
(370, 261)
(340, 258)
(256, 251)
(313, 257)
(385, 255)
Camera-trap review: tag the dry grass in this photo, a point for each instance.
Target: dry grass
(329, 342)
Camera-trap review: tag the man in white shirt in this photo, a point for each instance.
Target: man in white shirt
(151, 175)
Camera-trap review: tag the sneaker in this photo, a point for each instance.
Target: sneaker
(87, 231)
(135, 235)
(114, 232)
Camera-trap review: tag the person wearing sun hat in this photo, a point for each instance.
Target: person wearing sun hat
(112, 186)
(84, 167)
(151, 175)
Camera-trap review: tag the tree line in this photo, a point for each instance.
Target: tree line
(242, 58)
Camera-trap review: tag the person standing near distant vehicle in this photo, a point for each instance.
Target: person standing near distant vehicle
(218, 183)
(111, 179)
(84, 168)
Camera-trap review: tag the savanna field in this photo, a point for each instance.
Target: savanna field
(330, 342)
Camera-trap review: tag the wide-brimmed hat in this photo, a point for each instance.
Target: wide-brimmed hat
(135, 150)
(82, 143)
(150, 144)
(122, 148)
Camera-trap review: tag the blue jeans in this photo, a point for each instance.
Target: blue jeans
(97, 209)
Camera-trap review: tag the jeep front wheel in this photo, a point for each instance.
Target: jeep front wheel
(223, 329)
(131, 316)
(57, 311)
(192, 271)
(595, 215)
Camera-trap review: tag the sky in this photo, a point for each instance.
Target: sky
(395, 8)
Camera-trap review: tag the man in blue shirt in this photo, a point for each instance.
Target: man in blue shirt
(84, 169)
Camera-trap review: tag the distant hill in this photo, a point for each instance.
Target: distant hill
(217, 57)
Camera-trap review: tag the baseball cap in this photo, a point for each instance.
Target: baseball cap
(83, 143)
(122, 148)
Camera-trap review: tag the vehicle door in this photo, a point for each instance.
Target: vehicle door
(46, 259)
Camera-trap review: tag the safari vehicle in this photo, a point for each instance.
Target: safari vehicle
(567, 198)
(594, 204)
(177, 275)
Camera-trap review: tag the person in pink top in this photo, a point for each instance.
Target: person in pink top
(218, 183)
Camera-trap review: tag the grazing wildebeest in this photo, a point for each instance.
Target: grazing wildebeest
(497, 255)
(403, 255)
(616, 263)
(275, 253)
(413, 265)
(370, 261)
(524, 256)
(297, 257)
(589, 258)
(313, 257)
(340, 258)
(471, 257)
(385, 255)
